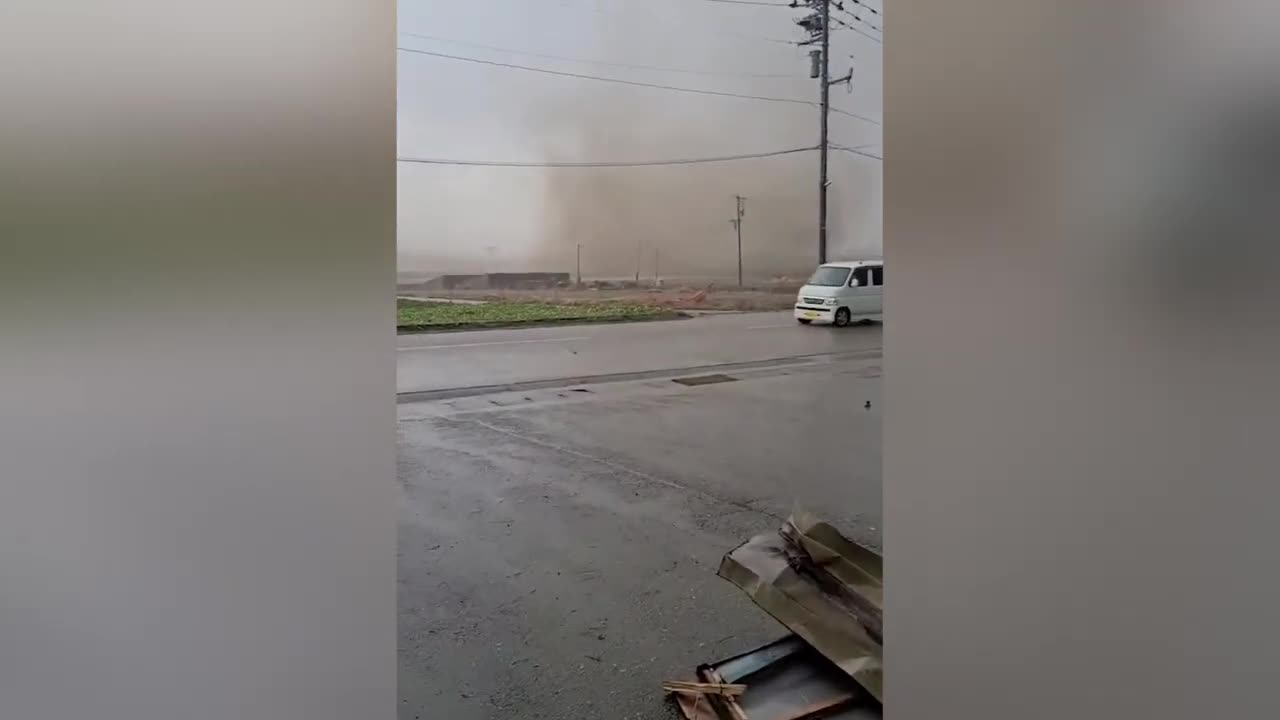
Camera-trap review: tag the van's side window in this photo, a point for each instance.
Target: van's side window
(877, 275)
(861, 277)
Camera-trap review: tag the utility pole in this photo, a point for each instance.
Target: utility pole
(823, 145)
(637, 263)
(579, 264)
(819, 27)
(737, 225)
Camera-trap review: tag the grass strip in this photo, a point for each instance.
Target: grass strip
(413, 316)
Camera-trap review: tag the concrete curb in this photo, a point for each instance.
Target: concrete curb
(414, 396)
(499, 325)
(443, 301)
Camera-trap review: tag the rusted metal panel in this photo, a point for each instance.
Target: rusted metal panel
(825, 588)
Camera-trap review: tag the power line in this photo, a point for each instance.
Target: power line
(855, 151)
(580, 76)
(858, 30)
(863, 118)
(636, 83)
(599, 62)
(622, 163)
(859, 18)
(861, 4)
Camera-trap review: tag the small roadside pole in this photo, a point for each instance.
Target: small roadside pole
(736, 222)
(579, 264)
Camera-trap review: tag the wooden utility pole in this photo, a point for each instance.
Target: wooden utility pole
(737, 225)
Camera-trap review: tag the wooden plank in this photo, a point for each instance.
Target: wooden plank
(697, 688)
(729, 702)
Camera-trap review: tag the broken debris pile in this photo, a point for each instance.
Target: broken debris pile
(828, 591)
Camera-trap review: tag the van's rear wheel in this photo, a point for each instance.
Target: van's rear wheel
(842, 317)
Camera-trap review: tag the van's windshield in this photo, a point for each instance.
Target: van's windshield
(830, 276)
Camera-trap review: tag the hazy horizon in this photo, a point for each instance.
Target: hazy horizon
(467, 218)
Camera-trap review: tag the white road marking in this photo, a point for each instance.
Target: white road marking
(484, 344)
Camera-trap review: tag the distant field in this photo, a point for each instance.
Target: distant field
(417, 316)
(776, 296)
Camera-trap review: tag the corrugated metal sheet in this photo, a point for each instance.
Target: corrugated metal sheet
(823, 587)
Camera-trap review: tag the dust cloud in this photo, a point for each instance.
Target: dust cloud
(674, 221)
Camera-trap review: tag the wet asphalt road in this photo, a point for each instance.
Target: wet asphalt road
(449, 360)
(558, 545)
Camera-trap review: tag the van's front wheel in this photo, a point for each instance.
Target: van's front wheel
(842, 317)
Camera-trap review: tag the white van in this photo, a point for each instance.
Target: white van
(841, 292)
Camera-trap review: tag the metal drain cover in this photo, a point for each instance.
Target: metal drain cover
(704, 379)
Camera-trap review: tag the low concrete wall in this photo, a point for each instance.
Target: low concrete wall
(499, 281)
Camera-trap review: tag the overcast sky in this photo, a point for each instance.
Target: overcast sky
(519, 218)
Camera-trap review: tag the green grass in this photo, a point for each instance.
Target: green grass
(411, 315)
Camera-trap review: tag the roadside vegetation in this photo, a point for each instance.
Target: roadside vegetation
(416, 316)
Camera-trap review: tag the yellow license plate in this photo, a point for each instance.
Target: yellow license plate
(811, 314)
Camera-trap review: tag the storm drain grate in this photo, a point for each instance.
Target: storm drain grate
(704, 379)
